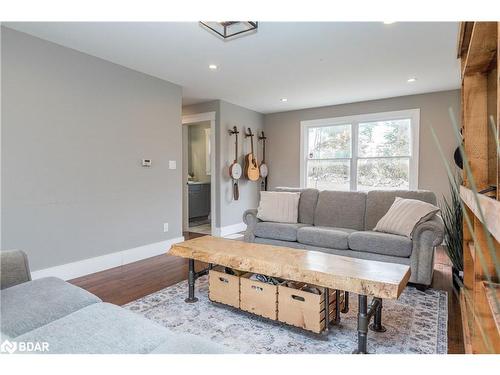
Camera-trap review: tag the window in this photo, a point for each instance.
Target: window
(363, 152)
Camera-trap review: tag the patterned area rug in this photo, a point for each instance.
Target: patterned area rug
(416, 323)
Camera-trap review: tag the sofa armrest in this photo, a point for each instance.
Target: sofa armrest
(251, 220)
(426, 237)
(434, 228)
(14, 268)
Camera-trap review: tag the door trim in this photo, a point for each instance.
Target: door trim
(190, 119)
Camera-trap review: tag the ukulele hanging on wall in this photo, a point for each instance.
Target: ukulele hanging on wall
(251, 165)
(235, 168)
(264, 171)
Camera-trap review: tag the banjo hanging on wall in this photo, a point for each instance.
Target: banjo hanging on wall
(235, 169)
(263, 169)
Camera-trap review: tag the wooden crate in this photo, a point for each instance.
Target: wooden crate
(304, 309)
(223, 287)
(258, 297)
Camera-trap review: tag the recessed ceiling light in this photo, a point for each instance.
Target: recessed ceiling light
(212, 67)
(283, 100)
(389, 22)
(411, 80)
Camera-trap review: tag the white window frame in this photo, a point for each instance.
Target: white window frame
(354, 120)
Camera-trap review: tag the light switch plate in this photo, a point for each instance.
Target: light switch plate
(172, 164)
(165, 227)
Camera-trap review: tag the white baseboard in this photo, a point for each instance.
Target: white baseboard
(84, 267)
(230, 229)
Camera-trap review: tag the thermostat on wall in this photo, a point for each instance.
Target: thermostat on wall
(146, 162)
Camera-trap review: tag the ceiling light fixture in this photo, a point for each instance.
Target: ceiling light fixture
(283, 100)
(212, 67)
(229, 29)
(411, 80)
(389, 22)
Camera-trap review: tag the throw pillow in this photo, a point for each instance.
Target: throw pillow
(404, 215)
(280, 207)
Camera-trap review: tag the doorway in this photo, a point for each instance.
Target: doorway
(198, 154)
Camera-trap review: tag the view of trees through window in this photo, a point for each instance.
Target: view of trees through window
(381, 159)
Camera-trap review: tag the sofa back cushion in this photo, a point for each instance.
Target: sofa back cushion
(341, 209)
(378, 202)
(307, 203)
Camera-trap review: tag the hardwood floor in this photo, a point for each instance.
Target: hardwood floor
(127, 283)
(443, 281)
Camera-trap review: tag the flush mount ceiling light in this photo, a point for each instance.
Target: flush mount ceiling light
(229, 29)
(212, 67)
(389, 22)
(412, 79)
(283, 100)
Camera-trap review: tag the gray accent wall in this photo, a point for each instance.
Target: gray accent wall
(228, 211)
(74, 131)
(233, 115)
(283, 132)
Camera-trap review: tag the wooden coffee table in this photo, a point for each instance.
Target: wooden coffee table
(365, 277)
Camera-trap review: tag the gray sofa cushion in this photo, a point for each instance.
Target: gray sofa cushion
(378, 203)
(103, 328)
(340, 209)
(335, 238)
(30, 305)
(381, 243)
(277, 231)
(292, 244)
(307, 203)
(347, 253)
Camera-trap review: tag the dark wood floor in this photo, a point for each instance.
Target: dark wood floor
(127, 283)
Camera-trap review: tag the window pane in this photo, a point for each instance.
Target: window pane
(387, 174)
(329, 142)
(328, 174)
(384, 138)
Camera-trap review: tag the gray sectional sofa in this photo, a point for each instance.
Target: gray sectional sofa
(341, 222)
(74, 321)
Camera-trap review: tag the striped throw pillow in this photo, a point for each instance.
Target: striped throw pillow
(280, 207)
(404, 215)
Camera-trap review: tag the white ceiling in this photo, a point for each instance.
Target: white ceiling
(311, 64)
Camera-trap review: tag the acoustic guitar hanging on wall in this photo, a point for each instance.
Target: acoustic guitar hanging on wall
(235, 168)
(251, 165)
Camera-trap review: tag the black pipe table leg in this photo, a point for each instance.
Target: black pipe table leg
(362, 324)
(337, 306)
(191, 279)
(327, 309)
(345, 310)
(377, 326)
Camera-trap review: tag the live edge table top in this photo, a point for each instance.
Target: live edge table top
(365, 277)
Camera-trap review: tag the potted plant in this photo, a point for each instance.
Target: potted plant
(452, 214)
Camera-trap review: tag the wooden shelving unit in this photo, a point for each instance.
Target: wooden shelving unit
(478, 48)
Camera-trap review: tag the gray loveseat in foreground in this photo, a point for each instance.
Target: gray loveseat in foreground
(74, 321)
(342, 222)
